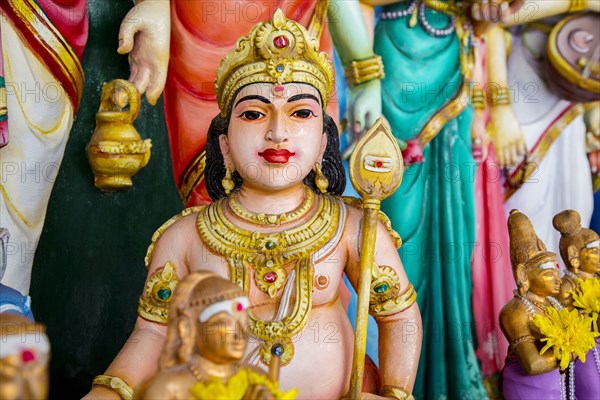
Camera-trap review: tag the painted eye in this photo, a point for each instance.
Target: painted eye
(251, 115)
(303, 114)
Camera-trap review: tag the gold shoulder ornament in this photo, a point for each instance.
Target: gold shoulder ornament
(154, 302)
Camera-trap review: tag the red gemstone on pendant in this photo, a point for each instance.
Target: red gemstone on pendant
(379, 164)
(239, 307)
(270, 277)
(280, 42)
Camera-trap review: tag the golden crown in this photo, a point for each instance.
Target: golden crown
(277, 51)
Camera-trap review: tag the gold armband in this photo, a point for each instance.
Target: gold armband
(116, 384)
(478, 99)
(385, 299)
(499, 95)
(364, 70)
(154, 302)
(396, 393)
(576, 6)
(522, 339)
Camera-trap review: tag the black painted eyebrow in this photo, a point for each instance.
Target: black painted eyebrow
(303, 96)
(253, 97)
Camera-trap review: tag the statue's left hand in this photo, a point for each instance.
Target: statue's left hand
(145, 34)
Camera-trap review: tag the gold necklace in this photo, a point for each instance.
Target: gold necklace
(267, 253)
(272, 219)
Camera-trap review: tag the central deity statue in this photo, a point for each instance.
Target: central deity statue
(279, 230)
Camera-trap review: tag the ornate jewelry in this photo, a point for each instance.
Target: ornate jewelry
(227, 182)
(276, 51)
(576, 6)
(499, 96)
(478, 98)
(394, 305)
(267, 253)
(154, 302)
(272, 219)
(522, 339)
(361, 71)
(384, 219)
(321, 180)
(385, 284)
(115, 384)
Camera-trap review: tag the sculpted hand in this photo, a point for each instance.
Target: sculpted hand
(506, 135)
(364, 106)
(495, 10)
(145, 35)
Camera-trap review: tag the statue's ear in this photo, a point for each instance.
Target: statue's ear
(224, 146)
(573, 255)
(521, 279)
(186, 331)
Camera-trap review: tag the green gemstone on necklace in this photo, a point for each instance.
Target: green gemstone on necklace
(270, 245)
(164, 293)
(382, 288)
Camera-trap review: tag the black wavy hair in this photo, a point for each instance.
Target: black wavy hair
(215, 165)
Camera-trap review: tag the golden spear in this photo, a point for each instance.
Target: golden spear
(376, 169)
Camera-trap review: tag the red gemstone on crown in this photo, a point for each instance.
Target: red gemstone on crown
(281, 42)
(379, 164)
(270, 277)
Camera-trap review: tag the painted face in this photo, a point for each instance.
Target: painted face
(590, 258)
(545, 280)
(275, 134)
(222, 338)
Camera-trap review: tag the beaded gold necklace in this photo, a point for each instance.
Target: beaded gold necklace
(272, 219)
(267, 253)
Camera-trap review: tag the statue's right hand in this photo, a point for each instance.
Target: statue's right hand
(145, 34)
(506, 135)
(101, 393)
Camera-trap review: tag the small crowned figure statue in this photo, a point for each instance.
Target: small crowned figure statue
(527, 374)
(205, 343)
(580, 289)
(279, 230)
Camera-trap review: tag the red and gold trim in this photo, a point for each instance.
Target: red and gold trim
(47, 43)
(192, 177)
(524, 170)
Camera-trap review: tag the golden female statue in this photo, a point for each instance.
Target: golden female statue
(279, 231)
(580, 251)
(527, 374)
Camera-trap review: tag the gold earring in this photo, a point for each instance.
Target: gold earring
(227, 182)
(320, 179)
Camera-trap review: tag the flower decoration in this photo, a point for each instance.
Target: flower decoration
(587, 298)
(566, 332)
(237, 386)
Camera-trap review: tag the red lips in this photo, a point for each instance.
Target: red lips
(276, 156)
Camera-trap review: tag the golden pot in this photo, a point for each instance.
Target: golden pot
(116, 151)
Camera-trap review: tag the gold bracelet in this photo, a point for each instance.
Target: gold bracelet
(576, 6)
(115, 384)
(478, 99)
(364, 70)
(522, 339)
(395, 392)
(499, 96)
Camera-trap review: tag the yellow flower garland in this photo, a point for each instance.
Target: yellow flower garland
(236, 387)
(566, 332)
(587, 298)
